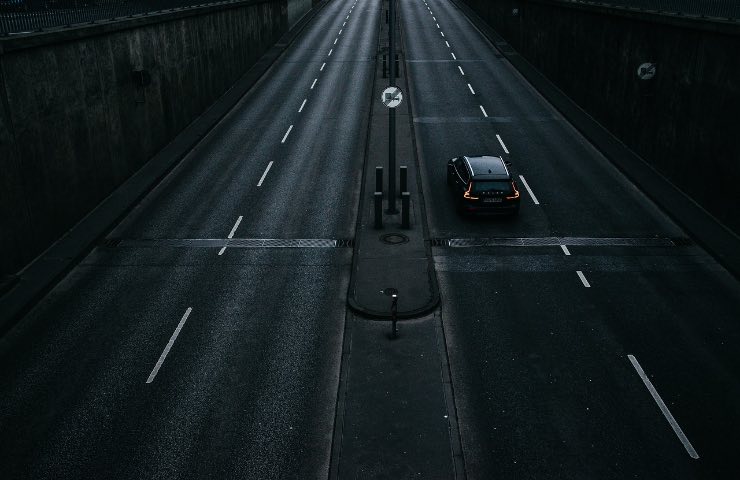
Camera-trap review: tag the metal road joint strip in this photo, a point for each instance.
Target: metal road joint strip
(562, 242)
(232, 243)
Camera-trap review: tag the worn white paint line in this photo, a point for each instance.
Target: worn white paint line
(442, 33)
(434, 18)
(471, 89)
(330, 52)
(335, 40)
(448, 44)
(483, 110)
(345, 23)
(340, 31)
(302, 105)
(663, 408)
(461, 70)
(285, 137)
(583, 279)
(531, 193)
(262, 179)
(347, 18)
(169, 346)
(565, 249)
(502, 143)
(322, 67)
(438, 25)
(453, 55)
(314, 83)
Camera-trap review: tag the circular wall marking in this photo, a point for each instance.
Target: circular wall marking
(392, 97)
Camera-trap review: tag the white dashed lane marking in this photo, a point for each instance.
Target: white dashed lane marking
(285, 137)
(502, 143)
(314, 83)
(461, 70)
(483, 110)
(322, 67)
(471, 89)
(169, 345)
(531, 193)
(565, 249)
(583, 279)
(262, 179)
(453, 55)
(302, 105)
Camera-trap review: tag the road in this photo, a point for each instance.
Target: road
(539, 356)
(247, 388)
(587, 338)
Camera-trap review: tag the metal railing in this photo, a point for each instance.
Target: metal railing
(719, 9)
(25, 16)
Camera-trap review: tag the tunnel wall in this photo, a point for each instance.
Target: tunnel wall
(684, 121)
(74, 124)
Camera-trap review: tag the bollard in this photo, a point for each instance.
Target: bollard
(379, 179)
(405, 207)
(397, 66)
(386, 15)
(384, 66)
(403, 179)
(378, 210)
(394, 314)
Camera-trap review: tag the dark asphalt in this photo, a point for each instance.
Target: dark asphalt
(543, 384)
(248, 388)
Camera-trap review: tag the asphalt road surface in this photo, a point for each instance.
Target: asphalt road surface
(539, 352)
(163, 355)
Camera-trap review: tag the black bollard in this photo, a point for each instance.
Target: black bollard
(378, 210)
(404, 179)
(394, 314)
(397, 66)
(379, 179)
(405, 207)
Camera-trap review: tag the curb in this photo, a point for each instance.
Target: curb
(41, 275)
(719, 241)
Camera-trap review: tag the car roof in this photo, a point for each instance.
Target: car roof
(486, 167)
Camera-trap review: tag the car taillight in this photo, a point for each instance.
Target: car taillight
(467, 192)
(516, 192)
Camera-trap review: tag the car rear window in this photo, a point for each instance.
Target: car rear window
(492, 185)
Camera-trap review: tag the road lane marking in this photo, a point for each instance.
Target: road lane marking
(169, 345)
(471, 89)
(322, 67)
(347, 18)
(502, 143)
(531, 193)
(340, 31)
(231, 234)
(330, 52)
(443, 33)
(583, 279)
(434, 18)
(285, 137)
(345, 23)
(461, 70)
(438, 25)
(302, 105)
(453, 55)
(314, 83)
(483, 110)
(663, 408)
(262, 179)
(448, 44)
(565, 249)
(335, 40)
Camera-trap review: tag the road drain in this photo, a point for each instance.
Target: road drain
(394, 238)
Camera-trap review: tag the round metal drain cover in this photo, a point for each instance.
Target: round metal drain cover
(394, 238)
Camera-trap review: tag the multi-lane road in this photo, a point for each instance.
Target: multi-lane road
(587, 338)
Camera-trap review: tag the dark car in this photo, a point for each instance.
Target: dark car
(482, 184)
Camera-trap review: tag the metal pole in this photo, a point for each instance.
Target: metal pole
(394, 316)
(378, 200)
(405, 209)
(392, 113)
(403, 180)
(378, 179)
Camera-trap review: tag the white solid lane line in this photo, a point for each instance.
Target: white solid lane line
(314, 83)
(483, 110)
(583, 279)
(302, 105)
(471, 89)
(231, 234)
(262, 179)
(169, 345)
(502, 143)
(531, 193)
(663, 408)
(565, 249)
(285, 137)
(322, 67)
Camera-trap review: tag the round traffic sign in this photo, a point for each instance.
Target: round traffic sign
(646, 71)
(392, 97)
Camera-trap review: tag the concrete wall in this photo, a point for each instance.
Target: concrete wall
(74, 125)
(297, 9)
(684, 121)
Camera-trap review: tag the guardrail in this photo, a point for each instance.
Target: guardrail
(26, 16)
(713, 9)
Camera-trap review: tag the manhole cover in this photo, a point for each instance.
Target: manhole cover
(394, 238)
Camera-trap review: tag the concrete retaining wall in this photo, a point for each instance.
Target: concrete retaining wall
(74, 123)
(684, 121)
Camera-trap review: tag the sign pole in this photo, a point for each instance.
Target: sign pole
(392, 112)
